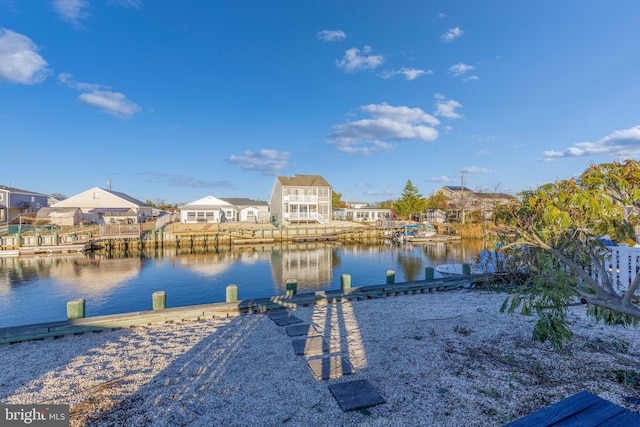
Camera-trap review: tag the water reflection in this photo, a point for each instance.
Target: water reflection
(36, 289)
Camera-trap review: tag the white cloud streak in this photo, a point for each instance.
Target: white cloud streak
(475, 169)
(71, 11)
(460, 69)
(355, 60)
(19, 59)
(621, 142)
(388, 124)
(101, 96)
(269, 162)
(114, 103)
(451, 34)
(331, 35)
(407, 73)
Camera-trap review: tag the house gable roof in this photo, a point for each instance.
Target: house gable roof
(208, 201)
(106, 198)
(303, 181)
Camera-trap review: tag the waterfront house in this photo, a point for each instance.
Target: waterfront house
(363, 214)
(248, 210)
(301, 198)
(436, 216)
(462, 201)
(107, 207)
(14, 202)
(213, 209)
(207, 209)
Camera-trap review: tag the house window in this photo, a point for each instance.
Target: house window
(96, 195)
(1, 197)
(191, 216)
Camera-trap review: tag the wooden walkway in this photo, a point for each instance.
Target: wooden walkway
(225, 309)
(583, 409)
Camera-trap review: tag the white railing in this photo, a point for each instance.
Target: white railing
(305, 216)
(301, 198)
(623, 266)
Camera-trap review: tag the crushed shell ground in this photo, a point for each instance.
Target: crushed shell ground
(441, 359)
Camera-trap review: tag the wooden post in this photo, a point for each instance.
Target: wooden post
(466, 269)
(391, 277)
(345, 281)
(75, 309)
(429, 273)
(232, 293)
(292, 288)
(159, 300)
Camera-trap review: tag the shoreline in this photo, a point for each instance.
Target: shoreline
(443, 358)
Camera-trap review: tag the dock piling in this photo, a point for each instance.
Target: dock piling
(391, 277)
(76, 309)
(159, 300)
(345, 281)
(292, 288)
(232, 293)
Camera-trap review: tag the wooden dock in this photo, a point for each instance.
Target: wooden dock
(227, 309)
(47, 250)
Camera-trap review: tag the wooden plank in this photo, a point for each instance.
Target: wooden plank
(583, 409)
(557, 412)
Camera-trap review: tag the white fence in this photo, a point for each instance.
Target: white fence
(623, 266)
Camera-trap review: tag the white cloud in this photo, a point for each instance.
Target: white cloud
(101, 96)
(441, 178)
(452, 34)
(621, 142)
(460, 68)
(475, 169)
(129, 4)
(470, 78)
(355, 60)
(19, 59)
(331, 35)
(113, 103)
(447, 108)
(408, 73)
(72, 11)
(387, 124)
(269, 162)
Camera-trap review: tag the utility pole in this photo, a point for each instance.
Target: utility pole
(463, 198)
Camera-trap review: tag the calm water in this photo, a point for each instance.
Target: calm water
(37, 289)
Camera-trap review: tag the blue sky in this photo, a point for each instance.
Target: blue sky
(179, 100)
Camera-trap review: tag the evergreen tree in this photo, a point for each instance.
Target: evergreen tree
(410, 203)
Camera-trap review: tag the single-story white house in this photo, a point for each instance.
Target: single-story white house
(103, 206)
(213, 209)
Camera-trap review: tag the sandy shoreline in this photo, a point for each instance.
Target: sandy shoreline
(441, 359)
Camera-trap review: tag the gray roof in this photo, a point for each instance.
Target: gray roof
(18, 190)
(241, 201)
(127, 198)
(303, 181)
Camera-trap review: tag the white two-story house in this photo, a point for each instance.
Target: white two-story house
(301, 198)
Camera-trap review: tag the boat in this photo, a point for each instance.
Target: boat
(415, 233)
(487, 262)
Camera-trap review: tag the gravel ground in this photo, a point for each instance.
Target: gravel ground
(441, 359)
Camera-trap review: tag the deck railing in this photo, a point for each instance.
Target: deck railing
(622, 265)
